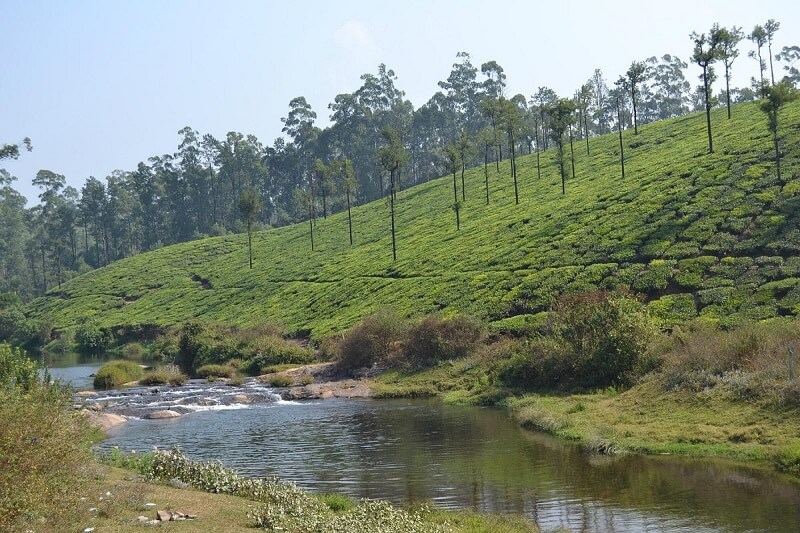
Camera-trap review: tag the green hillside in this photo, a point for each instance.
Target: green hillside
(714, 235)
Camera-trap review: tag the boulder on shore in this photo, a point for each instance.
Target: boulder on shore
(104, 421)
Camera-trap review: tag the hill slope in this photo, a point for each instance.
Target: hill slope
(714, 235)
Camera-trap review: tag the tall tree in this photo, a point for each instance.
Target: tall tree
(759, 38)
(350, 186)
(706, 52)
(790, 55)
(619, 130)
(636, 75)
(452, 162)
(466, 148)
(11, 151)
(584, 97)
(776, 97)
(728, 52)
(249, 206)
(770, 28)
(561, 116)
(392, 155)
(486, 141)
(510, 118)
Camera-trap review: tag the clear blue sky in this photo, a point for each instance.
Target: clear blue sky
(102, 85)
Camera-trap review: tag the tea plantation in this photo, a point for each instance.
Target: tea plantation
(698, 234)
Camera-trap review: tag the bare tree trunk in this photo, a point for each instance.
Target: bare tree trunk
(621, 149)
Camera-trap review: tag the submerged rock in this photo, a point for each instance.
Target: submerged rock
(167, 413)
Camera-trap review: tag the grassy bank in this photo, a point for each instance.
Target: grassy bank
(224, 501)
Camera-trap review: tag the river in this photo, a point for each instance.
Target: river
(456, 457)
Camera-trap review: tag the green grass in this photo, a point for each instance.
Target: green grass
(698, 234)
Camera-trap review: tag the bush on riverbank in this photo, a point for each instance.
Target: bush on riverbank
(195, 345)
(752, 362)
(214, 371)
(591, 340)
(44, 450)
(114, 374)
(163, 375)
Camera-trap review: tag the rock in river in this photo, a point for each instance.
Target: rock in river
(167, 413)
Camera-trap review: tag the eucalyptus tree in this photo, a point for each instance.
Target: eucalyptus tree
(561, 115)
(490, 107)
(350, 186)
(392, 155)
(249, 207)
(14, 233)
(495, 83)
(584, 97)
(759, 38)
(619, 131)
(511, 118)
(11, 151)
(92, 206)
(775, 98)
(706, 52)
(322, 179)
(463, 96)
(485, 142)
(770, 28)
(635, 76)
(543, 100)
(670, 85)
(466, 151)
(452, 162)
(790, 55)
(728, 52)
(599, 91)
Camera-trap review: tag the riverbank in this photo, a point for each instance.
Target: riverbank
(120, 497)
(645, 419)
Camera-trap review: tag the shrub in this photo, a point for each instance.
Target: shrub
(91, 338)
(373, 340)
(17, 371)
(217, 371)
(116, 373)
(280, 380)
(266, 351)
(44, 450)
(593, 340)
(168, 374)
(134, 350)
(435, 339)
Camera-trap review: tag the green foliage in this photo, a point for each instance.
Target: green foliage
(17, 371)
(163, 375)
(751, 362)
(593, 340)
(702, 219)
(374, 340)
(283, 506)
(435, 339)
(91, 338)
(217, 371)
(788, 459)
(280, 380)
(114, 374)
(44, 452)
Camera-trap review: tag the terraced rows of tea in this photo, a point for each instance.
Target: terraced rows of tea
(714, 235)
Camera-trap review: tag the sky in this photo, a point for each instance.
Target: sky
(103, 85)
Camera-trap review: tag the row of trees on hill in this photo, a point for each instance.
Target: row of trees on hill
(376, 144)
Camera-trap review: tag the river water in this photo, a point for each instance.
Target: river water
(456, 457)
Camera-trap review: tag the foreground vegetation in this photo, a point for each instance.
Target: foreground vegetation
(709, 235)
(597, 373)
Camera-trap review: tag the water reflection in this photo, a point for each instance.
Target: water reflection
(465, 457)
